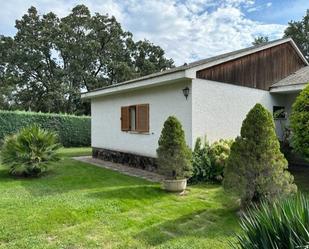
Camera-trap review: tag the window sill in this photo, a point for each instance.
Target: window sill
(139, 132)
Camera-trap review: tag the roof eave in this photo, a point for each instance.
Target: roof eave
(141, 84)
(288, 88)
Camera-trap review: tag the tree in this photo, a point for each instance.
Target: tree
(299, 31)
(174, 156)
(256, 169)
(260, 40)
(51, 60)
(300, 123)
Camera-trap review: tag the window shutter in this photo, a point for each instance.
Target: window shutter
(125, 118)
(142, 118)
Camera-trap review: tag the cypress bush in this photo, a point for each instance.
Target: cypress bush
(201, 164)
(174, 155)
(28, 152)
(300, 123)
(281, 224)
(73, 131)
(256, 169)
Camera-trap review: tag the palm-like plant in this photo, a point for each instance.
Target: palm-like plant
(282, 224)
(29, 151)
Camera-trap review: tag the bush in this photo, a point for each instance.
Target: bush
(256, 168)
(174, 156)
(219, 154)
(202, 169)
(29, 151)
(282, 224)
(73, 131)
(299, 120)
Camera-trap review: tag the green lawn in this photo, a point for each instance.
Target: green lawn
(81, 206)
(78, 205)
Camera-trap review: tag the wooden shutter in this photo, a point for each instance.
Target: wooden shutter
(125, 118)
(142, 118)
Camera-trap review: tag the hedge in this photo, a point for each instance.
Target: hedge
(73, 131)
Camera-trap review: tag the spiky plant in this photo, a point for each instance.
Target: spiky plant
(281, 224)
(28, 152)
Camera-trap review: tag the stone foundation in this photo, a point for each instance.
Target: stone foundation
(136, 161)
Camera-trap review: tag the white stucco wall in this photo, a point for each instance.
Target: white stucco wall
(163, 101)
(218, 109)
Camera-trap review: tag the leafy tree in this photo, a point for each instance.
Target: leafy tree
(300, 123)
(174, 156)
(260, 40)
(256, 168)
(51, 60)
(299, 31)
(29, 152)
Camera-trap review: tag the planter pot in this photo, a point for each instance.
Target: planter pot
(175, 185)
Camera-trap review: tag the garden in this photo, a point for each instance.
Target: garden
(240, 193)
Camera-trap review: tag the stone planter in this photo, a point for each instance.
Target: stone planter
(174, 185)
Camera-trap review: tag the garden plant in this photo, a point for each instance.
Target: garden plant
(256, 169)
(28, 152)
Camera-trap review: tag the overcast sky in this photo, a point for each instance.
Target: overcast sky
(186, 29)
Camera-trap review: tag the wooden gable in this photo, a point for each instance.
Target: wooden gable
(258, 70)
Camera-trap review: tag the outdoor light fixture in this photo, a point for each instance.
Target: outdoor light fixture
(186, 92)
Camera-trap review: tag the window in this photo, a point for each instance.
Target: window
(279, 112)
(135, 118)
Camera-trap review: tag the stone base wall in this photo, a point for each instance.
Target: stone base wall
(136, 161)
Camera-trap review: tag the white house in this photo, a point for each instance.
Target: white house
(210, 97)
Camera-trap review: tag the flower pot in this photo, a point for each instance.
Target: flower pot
(174, 185)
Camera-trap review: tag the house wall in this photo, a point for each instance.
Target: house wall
(218, 109)
(163, 101)
(258, 70)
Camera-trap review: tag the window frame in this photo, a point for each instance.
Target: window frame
(142, 122)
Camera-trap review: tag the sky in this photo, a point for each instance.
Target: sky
(187, 30)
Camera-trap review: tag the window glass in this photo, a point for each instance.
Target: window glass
(132, 118)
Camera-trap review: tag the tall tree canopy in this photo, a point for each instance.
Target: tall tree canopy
(299, 31)
(51, 60)
(260, 40)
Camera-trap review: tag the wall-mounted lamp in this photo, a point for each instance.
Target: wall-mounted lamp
(186, 92)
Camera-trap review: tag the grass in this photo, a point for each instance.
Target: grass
(78, 205)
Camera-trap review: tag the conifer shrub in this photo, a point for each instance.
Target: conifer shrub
(201, 164)
(256, 169)
(174, 155)
(299, 120)
(28, 152)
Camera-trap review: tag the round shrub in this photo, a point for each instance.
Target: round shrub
(256, 169)
(299, 120)
(219, 154)
(282, 224)
(28, 152)
(174, 156)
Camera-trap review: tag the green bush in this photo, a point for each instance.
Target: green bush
(256, 169)
(219, 154)
(201, 164)
(174, 156)
(282, 224)
(300, 123)
(73, 131)
(28, 152)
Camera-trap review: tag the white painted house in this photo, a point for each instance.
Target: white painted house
(210, 97)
